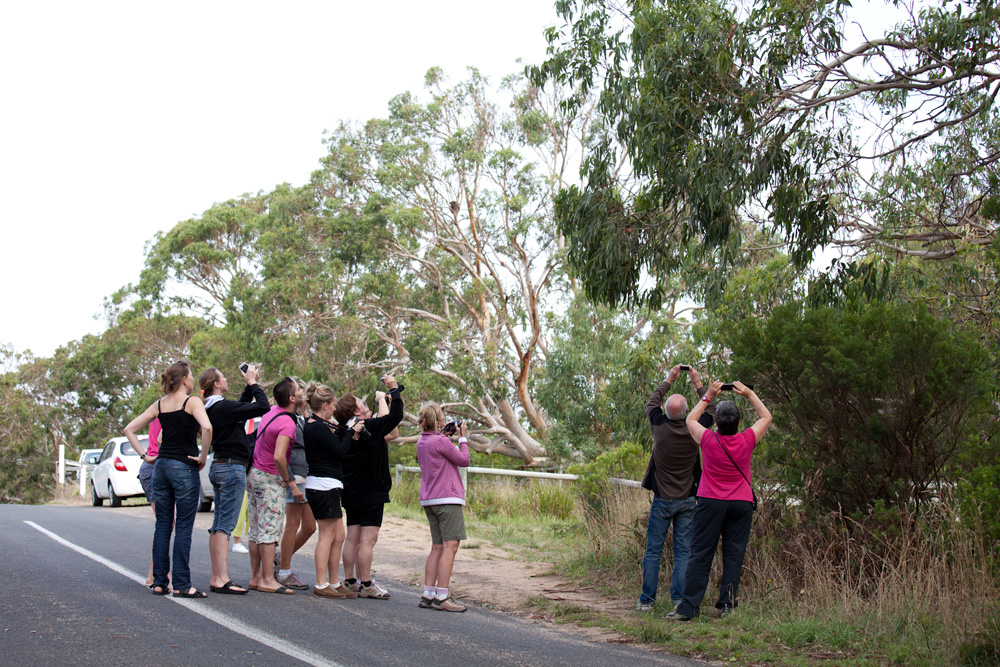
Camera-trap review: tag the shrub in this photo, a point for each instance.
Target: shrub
(869, 405)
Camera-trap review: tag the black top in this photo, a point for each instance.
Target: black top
(229, 436)
(366, 466)
(180, 435)
(324, 450)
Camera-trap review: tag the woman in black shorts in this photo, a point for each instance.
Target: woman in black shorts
(366, 486)
(324, 454)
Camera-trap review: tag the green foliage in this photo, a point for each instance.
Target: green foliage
(598, 375)
(28, 448)
(724, 110)
(869, 405)
(979, 492)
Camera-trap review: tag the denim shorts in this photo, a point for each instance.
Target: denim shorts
(229, 481)
(301, 482)
(146, 480)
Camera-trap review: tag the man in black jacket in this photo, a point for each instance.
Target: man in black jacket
(366, 486)
(228, 473)
(671, 476)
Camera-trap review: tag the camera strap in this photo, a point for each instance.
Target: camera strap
(738, 469)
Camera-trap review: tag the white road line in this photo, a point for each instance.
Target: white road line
(225, 620)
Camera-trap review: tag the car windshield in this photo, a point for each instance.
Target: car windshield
(93, 458)
(127, 447)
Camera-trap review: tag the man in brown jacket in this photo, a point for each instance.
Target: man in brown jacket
(672, 476)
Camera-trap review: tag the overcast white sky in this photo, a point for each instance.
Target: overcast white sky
(120, 119)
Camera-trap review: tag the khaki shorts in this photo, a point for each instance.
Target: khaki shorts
(447, 523)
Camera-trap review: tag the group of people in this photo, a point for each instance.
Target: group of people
(297, 472)
(304, 471)
(701, 486)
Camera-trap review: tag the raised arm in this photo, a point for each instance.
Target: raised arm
(654, 406)
(763, 414)
(694, 428)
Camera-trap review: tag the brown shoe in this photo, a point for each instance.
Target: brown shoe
(338, 592)
(447, 605)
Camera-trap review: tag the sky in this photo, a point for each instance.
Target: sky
(120, 119)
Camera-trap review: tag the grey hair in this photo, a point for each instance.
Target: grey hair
(677, 407)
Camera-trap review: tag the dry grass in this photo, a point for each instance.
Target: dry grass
(897, 587)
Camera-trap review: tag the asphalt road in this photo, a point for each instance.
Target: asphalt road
(72, 593)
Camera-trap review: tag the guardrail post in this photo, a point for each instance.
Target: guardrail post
(83, 479)
(62, 464)
(399, 474)
(464, 474)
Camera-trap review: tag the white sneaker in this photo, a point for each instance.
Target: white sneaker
(374, 592)
(238, 548)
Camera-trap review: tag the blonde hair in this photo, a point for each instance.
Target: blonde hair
(318, 394)
(428, 417)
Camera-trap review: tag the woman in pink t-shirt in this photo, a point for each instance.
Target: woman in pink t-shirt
(725, 499)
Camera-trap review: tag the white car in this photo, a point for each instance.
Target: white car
(116, 475)
(90, 457)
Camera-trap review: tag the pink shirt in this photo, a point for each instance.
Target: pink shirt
(263, 453)
(719, 477)
(439, 461)
(153, 446)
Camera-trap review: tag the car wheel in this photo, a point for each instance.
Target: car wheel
(115, 501)
(94, 498)
(206, 505)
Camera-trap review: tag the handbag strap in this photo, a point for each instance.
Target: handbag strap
(285, 412)
(738, 469)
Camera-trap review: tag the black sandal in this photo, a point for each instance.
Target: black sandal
(196, 594)
(163, 590)
(227, 588)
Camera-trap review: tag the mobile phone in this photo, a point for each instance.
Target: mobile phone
(244, 367)
(685, 368)
(727, 387)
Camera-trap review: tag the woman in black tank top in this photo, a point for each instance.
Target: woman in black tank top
(176, 486)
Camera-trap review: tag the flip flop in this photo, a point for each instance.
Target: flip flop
(227, 588)
(196, 594)
(164, 590)
(281, 590)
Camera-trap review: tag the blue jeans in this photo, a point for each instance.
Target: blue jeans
(661, 514)
(175, 487)
(229, 480)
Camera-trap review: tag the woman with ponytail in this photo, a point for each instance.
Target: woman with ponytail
(325, 454)
(176, 486)
(442, 496)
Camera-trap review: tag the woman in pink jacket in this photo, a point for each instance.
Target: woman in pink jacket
(442, 496)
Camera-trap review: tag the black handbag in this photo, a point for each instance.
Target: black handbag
(752, 492)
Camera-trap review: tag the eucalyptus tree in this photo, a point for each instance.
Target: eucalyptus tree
(720, 113)
(453, 245)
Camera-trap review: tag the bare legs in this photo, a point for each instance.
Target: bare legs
(358, 549)
(299, 527)
(328, 550)
(218, 549)
(262, 565)
(441, 560)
